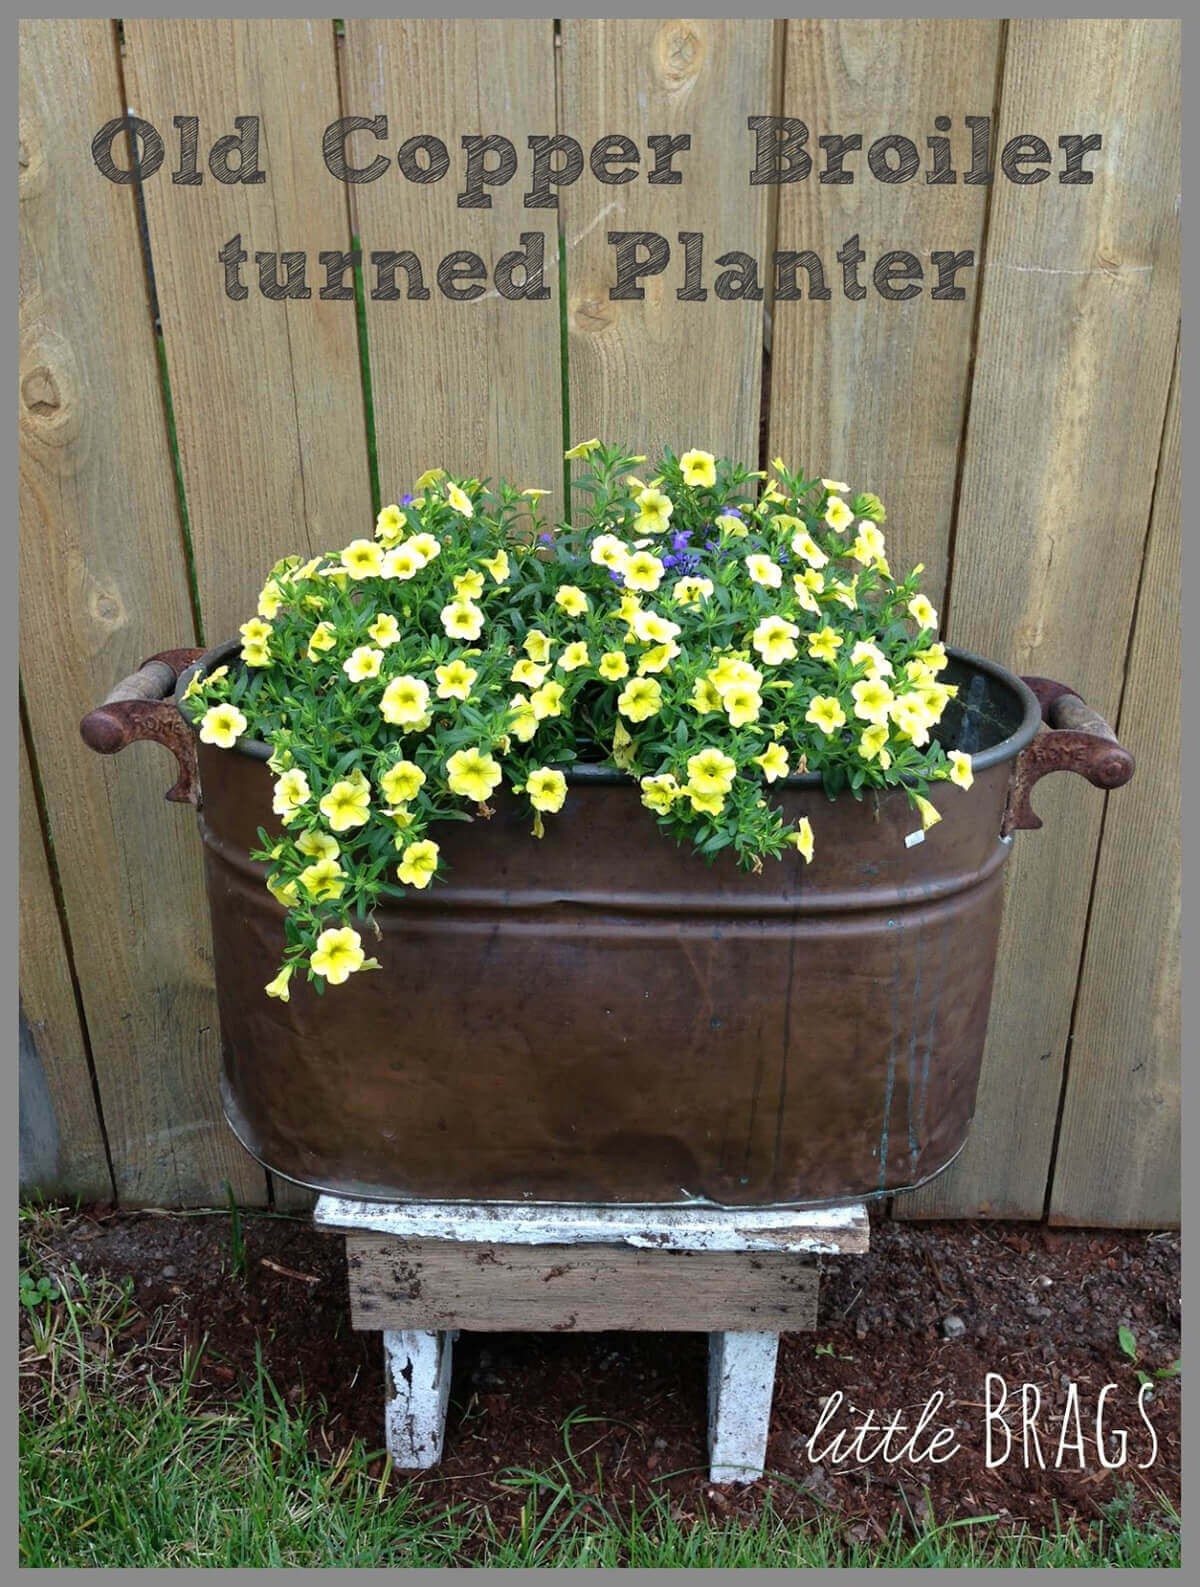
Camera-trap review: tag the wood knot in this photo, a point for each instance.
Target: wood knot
(105, 607)
(679, 52)
(591, 313)
(40, 393)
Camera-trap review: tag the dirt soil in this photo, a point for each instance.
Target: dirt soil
(1032, 1305)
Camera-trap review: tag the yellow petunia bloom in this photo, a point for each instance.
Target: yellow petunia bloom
(385, 630)
(763, 571)
(472, 774)
(338, 954)
(802, 838)
(523, 721)
(733, 672)
(846, 593)
(363, 559)
(912, 718)
(872, 701)
(537, 645)
(877, 664)
(402, 562)
(402, 782)
(425, 545)
(547, 789)
(323, 880)
(658, 659)
(222, 725)
(390, 525)
(318, 845)
(826, 713)
(346, 805)
(547, 701)
(609, 552)
(774, 762)
(469, 586)
(640, 699)
(534, 494)
(581, 449)
(404, 701)
(690, 591)
(711, 771)
(730, 524)
(921, 608)
(323, 637)
(960, 768)
(462, 620)
(807, 549)
(660, 793)
(741, 704)
(428, 478)
(572, 600)
(418, 863)
(706, 802)
(575, 655)
(706, 697)
(775, 640)
(497, 566)
(362, 663)
(654, 512)
(872, 744)
(835, 484)
(825, 644)
(454, 680)
(652, 628)
(613, 665)
(530, 673)
(291, 792)
(643, 571)
(934, 657)
(869, 546)
(699, 468)
(930, 814)
(837, 514)
(285, 892)
(279, 986)
(459, 500)
(270, 599)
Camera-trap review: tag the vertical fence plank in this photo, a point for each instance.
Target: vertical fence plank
(267, 394)
(74, 1163)
(103, 584)
(1076, 343)
(472, 386)
(875, 391)
(660, 371)
(1118, 1155)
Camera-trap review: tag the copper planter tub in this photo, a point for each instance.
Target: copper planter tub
(603, 1017)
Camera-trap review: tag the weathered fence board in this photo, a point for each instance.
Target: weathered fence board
(1076, 343)
(471, 386)
(1119, 1149)
(269, 404)
(70, 1152)
(103, 583)
(876, 393)
(663, 371)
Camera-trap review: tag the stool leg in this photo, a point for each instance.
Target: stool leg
(417, 1379)
(741, 1382)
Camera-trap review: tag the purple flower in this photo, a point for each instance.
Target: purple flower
(406, 501)
(616, 577)
(546, 539)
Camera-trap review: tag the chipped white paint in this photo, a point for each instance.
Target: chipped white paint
(741, 1384)
(417, 1373)
(826, 1231)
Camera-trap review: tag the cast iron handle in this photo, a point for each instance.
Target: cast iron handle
(140, 707)
(1081, 741)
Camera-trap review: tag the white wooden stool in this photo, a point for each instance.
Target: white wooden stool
(423, 1271)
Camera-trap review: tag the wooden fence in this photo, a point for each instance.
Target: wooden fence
(1025, 438)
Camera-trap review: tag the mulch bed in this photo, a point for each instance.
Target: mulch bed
(1039, 1306)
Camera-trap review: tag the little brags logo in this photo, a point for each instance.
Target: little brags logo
(779, 152)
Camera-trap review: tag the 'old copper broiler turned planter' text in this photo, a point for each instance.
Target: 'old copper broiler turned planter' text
(602, 1017)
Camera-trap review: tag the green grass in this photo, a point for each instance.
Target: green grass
(123, 1466)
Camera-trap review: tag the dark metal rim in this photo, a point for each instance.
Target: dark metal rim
(606, 776)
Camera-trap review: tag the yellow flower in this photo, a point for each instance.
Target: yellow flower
(711, 771)
(643, 571)
(640, 699)
(775, 640)
(869, 545)
(318, 845)
(730, 524)
(524, 719)
(404, 701)
(338, 954)
(256, 637)
(708, 803)
(873, 743)
(825, 644)
(573, 656)
(402, 562)
(497, 566)
(362, 663)
(622, 746)
(285, 892)
(279, 986)
(528, 672)
(804, 594)
(547, 701)
(454, 680)
(418, 863)
(652, 629)
(323, 879)
(825, 713)
(837, 515)
(222, 725)
(763, 571)
(572, 600)
(583, 449)
(385, 630)
(660, 793)
(699, 468)
(535, 494)
(472, 774)
(872, 701)
(912, 717)
(469, 586)
(774, 762)
(323, 637)
(868, 505)
(425, 545)
(609, 552)
(537, 645)
(363, 559)
(921, 608)
(802, 838)
(270, 599)
(291, 791)
(808, 550)
(462, 620)
(741, 704)
(402, 782)
(734, 672)
(772, 493)
(960, 768)
(256, 655)
(878, 666)
(390, 524)
(930, 814)
(547, 789)
(628, 609)
(613, 665)
(346, 805)
(690, 591)
(847, 594)
(934, 657)
(459, 500)
(705, 696)
(834, 484)
(654, 512)
(428, 478)
(658, 659)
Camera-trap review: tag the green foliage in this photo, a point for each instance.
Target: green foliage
(1128, 1345)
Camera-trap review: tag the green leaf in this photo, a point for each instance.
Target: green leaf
(1127, 1342)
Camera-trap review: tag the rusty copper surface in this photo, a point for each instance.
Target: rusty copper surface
(141, 707)
(1081, 741)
